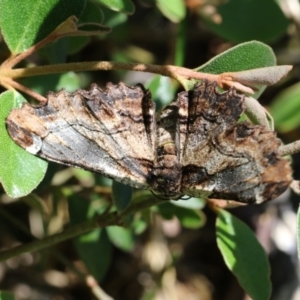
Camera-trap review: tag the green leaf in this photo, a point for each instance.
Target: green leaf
(4, 295)
(189, 218)
(94, 247)
(139, 225)
(69, 81)
(20, 171)
(92, 13)
(285, 109)
(57, 52)
(112, 18)
(246, 56)
(24, 23)
(174, 10)
(121, 237)
(121, 194)
(162, 90)
(244, 20)
(95, 250)
(191, 203)
(243, 255)
(93, 17)
(124, 6)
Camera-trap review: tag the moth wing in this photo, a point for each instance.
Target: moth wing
(109, 132)
(228, 160)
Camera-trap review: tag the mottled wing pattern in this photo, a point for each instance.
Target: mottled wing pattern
(197, 147)
(111, 132)
(224, 159)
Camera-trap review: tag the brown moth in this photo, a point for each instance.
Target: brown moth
(195, 146)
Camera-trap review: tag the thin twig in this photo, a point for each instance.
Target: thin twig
(180, 74)
(68, 233)
(167, 70)
(290, 149)
(13, 84)
(66, 28)
(15, 59)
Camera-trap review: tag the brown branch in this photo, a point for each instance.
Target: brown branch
(290, 149)
(168, 70)
(9, 83)
(15, 59)
(178, 73)
(68, 233)
(66, 28)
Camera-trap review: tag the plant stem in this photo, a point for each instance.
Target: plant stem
(78, 229)
(15, 59)
(14, 84)
(167, 70)
(68, 27)
(290, 149)
(70, 232)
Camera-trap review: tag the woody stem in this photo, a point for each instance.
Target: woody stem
(167, 70)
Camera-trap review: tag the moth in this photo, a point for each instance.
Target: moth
(194, 147)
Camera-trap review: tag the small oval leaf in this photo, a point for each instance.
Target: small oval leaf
(261, 76)
(121, 237)
(20, 171)
(24, 23)
(243, 20)
(246, 56)
(285, 109)
(243, 255)
(124, 6)
(174, 10)
(188, 218)
(191, 203)
(95, 250)
(162, 90)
